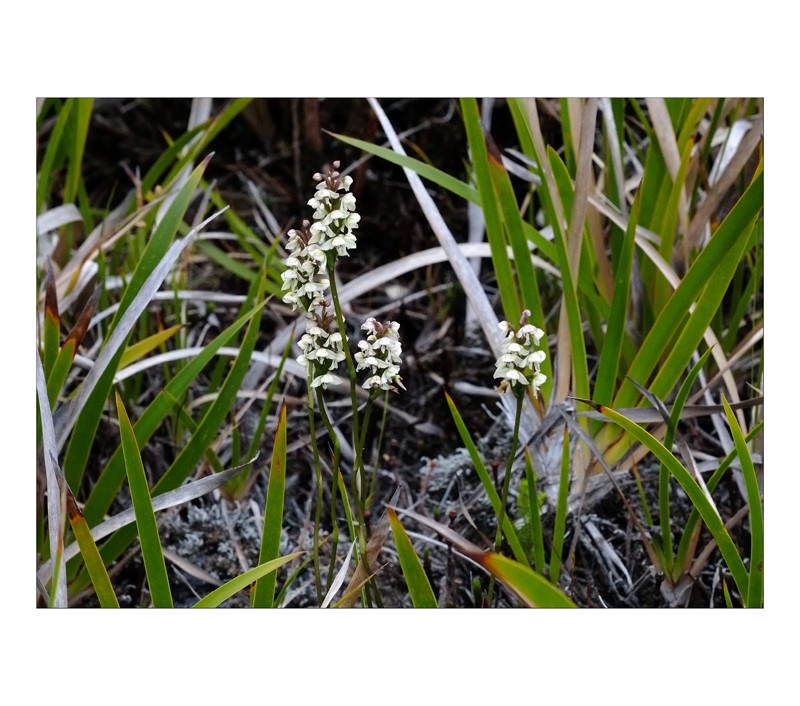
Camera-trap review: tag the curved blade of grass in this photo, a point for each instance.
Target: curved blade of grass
(696, 495)
(419, 587)
(224, 592)
(91, 555)
(755, 591)
(264, 591)
(486, 481)
(532, 589)
(142, 348)
(153, 557)
(55, 519)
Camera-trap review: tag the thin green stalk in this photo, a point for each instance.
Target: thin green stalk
(318, 473)
(337, 454)
(506, 483)
(374, 475)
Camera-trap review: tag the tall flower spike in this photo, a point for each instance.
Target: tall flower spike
(380, 355)
(322, 348)
(519, 363)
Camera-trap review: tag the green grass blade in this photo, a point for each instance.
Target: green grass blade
(488, 201)
(486, 481)
(560, 524)
(152, 555)
(755, 592)
(81, 118)
(91, 556)
(419, 587)
(264, 592)
(51, 155)
(426, 171)
(141, 348)
(224, 592)
(693, 490)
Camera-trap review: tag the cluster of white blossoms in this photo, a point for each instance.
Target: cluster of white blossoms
(312, 253)
(519, 363)
(380, 355)
(315, 248)
(323, 350)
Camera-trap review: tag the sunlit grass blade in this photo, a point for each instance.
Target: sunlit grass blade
(80, 128)
(755, 592)
(534, 590)
(486, 481)
(419, 587)
(91, 556)
(152, 555)
(705, 508)
(141, 348)
(224, 592)
(264, 591)
(560, 523)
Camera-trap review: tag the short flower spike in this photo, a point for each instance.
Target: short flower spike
(519, 364)
(380, 355)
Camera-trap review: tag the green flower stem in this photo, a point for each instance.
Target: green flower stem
(358, 465)
(506, 484)
(318, 473)
(337, 454)
(374, 474)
